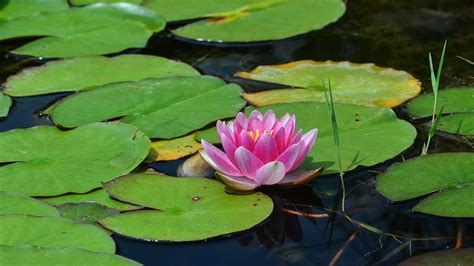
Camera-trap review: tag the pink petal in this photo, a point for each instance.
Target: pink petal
(266, 148)
(218, 159)
(229, 147)
(223, 129)
(241, 120)
(306, 142)
(290, 130)
(296, 138)
(237, 183)
(245, 141)
(271, 173)
(284, 119)
(247, 162)
(269, 120)
(279, 136)
(289, 156)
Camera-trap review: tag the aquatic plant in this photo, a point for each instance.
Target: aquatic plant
(260, 150)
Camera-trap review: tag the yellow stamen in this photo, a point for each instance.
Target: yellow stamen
(256, 135)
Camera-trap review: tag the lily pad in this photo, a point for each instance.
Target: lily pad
(5, 104)
(166, 150)
(17, 203)
(186, 209)
(31, 255)
(21, 230)
(24, 8)
(161, 108)
(248, 21)
(97, 196)
(360, 84)
(451, 175)
(45, 161)
(85, 212)
(458, 109)
(461, 257)
(87, 73)
(88, 2)
(91, 30)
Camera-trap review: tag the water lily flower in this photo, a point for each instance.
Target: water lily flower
(260, 150)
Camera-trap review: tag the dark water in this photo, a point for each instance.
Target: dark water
(396, 34)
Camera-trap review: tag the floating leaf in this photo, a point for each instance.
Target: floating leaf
(248, 21)
(21, 230)
(88, 2)
(449, 174)
(458, 102)
(17, 203)
(24, 8)
(5, 104)
(82, 73)
(165, 150)
(360, 84)
(45, 161)
(186, 209)
(460, 257)
(161, 108)
(210, 135)
(97, 196)
(92, 30)
(31, 255)
(85, 212)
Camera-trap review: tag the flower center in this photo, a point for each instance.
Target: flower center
(255, 135)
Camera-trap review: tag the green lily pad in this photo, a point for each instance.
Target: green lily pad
(45, 161)
(161, 108)
(97, 196)
(368, 135)
(460, 257)
(186, 209)
(5, 104)
(21, 230)
(88, 2)
(451, 175)
(248, 21)
(85, 212)
(457, 102)
(210, 135)
(24, 8)
(17, 203)
(87, 73)
(360, 84)
(91, 30)
(31, 255)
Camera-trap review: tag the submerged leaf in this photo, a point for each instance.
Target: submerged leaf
(360, 84)
(45, 161)
(83, 73)
(185, 209)
(451, 175)
(85, 212)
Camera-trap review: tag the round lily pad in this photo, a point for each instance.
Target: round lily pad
(451, 175)
(95, 196)
(45, 161)
(31, 255)
(91, 30)
(250, 20)
(458, 109)
(17, 203)
(185, 209)
(25, 8)
(81, 73)
(360, 84)
(161, 108)
(21, 230)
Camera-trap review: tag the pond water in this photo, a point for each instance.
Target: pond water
(397, 34)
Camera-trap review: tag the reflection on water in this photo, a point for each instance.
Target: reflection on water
(304, 228)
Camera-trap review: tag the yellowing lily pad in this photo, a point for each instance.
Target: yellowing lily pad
(82, 73)
(184, 209)
(250, 20)
(17, 203)
(166, 150)
(458, 109)
(449, 176)
(53, 232)
(359, 84)
(91, 30)
(45, 161)
(161, 108)
(31, 255)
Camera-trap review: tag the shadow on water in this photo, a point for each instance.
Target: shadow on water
(396, 34)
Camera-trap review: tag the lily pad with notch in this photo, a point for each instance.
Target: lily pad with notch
(45, 161)
(182, 209)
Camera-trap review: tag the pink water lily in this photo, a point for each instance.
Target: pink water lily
(260, 150)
